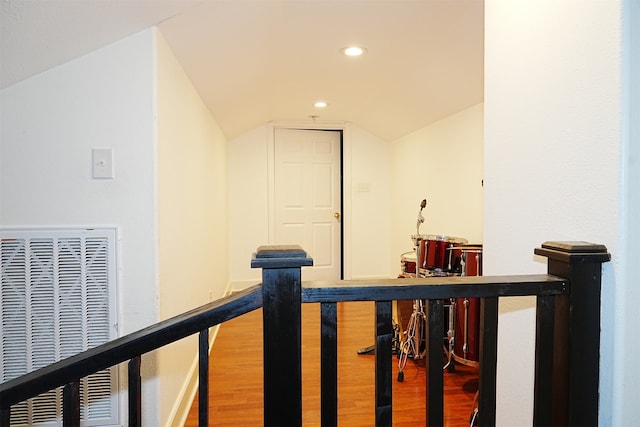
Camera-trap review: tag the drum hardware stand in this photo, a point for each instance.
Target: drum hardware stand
(449, 348)
(417, 240)
(411, 345)
(465, 333)
(464, 357)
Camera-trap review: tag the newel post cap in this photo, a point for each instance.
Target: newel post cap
(280, 256)
(574, 252)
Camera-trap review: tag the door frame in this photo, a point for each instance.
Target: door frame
(345, 173)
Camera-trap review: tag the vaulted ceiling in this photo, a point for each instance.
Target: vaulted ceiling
(255, 61)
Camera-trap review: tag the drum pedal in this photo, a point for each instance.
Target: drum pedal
(395, 343)
(367, 350)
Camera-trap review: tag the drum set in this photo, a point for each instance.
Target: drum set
(440, 256)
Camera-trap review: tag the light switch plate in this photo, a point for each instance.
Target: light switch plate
(102, 159)
(363, 187)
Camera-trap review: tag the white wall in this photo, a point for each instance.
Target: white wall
(248, 201)
(623, 393)
(552, 167)
(443, 163)
(168, 199)
(49, 124)
(366, 214)
(192, 222)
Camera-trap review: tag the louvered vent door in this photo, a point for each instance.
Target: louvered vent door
(58, 299)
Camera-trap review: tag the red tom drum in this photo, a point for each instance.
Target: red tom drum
(436, 252)
(466, 348)
(466, 260)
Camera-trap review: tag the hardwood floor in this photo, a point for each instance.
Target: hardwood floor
(236, 397)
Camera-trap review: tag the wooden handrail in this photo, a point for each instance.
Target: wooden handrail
(433, 288)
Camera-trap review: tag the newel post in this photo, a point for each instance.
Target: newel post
(281, 294)
(576, 359)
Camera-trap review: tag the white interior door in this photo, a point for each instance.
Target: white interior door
(307, 197)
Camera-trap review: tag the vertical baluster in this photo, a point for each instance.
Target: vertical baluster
(488, 360)
(543, 389)
(329, 365)
(203, 381)
(5, 417)
(135, 393)
(384, 339)
(560, 375)
(435, 376)
(71, 404)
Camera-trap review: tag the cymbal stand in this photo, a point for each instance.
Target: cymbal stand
(417, 241)
(411, 343)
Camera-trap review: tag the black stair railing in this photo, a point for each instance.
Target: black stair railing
(68, 372)
(567, 339)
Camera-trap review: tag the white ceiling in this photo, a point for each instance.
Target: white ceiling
(255, 61)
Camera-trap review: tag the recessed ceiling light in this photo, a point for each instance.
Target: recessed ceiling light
(320, 104)
(353, 51)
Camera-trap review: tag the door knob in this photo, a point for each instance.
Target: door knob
(336, 215)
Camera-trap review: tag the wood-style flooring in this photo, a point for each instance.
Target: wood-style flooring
(236, 395)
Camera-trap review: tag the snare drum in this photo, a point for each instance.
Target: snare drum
(408, 263)
(466, 348)
(437, 252)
